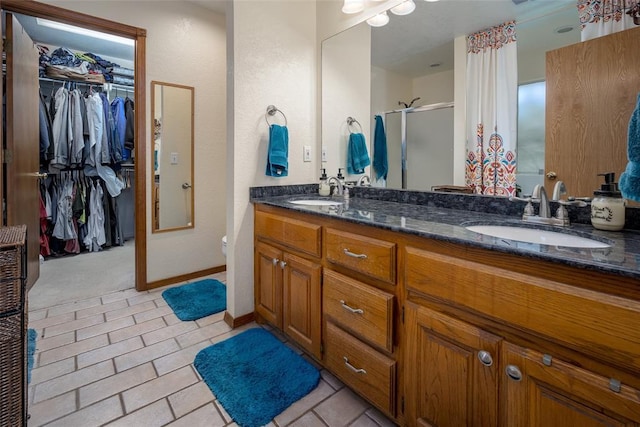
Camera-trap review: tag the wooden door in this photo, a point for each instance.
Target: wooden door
(302, 299)
(558, 394)
(22, 156)
(451, 371)
(592, 88)
(268, 283)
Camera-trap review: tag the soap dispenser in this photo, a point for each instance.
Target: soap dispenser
(324, 189)
(608, 206)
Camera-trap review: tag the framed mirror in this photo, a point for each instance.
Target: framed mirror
(172, 193)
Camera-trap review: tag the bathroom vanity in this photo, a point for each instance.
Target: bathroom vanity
(437, 325)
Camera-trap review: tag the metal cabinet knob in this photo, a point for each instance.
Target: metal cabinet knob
(485, 358)
(283, 264)
(275, 261)
(513, 372)
(552, 175)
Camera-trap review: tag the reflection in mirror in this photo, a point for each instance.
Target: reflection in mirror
(413, 56)
(172, 130)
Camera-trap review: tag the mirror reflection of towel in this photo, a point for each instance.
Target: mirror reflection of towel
(278, 152)
(630, 178)
(380, 162)
(357, 155)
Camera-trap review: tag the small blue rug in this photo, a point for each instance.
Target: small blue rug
(196, 300)
(32, 334)
(255, 376)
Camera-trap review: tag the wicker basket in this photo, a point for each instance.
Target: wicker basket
(11, 374)
(10, 280)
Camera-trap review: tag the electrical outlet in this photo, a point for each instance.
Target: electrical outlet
(324, 154)
(306, 153)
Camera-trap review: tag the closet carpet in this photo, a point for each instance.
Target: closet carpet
(85, 275)
(124, 359)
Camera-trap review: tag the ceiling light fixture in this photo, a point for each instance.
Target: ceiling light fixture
(352, 6)
(379, 20)
(85, 32)
(431, 1)
(404, 8)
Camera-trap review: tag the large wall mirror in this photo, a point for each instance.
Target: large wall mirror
(172, 159)
(370, 71)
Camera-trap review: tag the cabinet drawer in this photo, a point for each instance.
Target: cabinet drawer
(361, 367)
(372, 257)
(293, 233)
(591, 322)
(362, 309)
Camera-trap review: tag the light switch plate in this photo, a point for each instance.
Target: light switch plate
(174, 158)
(306, 153)
(324, 154)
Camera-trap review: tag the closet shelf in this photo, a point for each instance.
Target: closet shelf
(105, 86)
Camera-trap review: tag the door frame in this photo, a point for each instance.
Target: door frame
(54, 13)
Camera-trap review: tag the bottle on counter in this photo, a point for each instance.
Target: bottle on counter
(324, 189)
(608, 206)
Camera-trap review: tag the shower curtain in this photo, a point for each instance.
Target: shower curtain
(492, 100)
(602, 17)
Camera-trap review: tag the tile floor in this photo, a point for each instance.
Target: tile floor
(124, 359)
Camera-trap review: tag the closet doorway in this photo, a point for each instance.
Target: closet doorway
(22, 201)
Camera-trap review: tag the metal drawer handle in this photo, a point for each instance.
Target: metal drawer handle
(513, 372)
(485, 358)
(351, 254)
(275, 261)
(351, 309)
(353, 368)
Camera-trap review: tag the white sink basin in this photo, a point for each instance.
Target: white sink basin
(532, 235)
(315, 202)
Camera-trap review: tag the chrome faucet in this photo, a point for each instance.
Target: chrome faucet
(339, 185)
(544, 214)
(540, 193)
(558, 190)
(362, 179)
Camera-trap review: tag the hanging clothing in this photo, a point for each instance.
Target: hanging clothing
(129, 135)
(60, 131)
(95, 232)
(120, 126)
(77, 129)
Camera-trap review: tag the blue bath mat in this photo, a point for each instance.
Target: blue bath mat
(198, 299)
(32, 334)
(255, 376)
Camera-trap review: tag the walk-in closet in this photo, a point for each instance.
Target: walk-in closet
(87, 161)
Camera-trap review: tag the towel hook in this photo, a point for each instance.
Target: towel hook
(271, 111)
(351, 122)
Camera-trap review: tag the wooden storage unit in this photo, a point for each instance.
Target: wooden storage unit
(13, 326)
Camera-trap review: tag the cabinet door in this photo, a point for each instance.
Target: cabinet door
(268, 283)
(451, 371)
(557, 394)
(302, 301)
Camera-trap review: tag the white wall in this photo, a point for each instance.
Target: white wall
(274, 52)
(185, 45)
(434, 88)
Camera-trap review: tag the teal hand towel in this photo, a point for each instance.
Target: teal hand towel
(357, 155)
(630, 178)
(380, 162)
(278, 152)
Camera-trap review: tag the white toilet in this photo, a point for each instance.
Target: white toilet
(224, 246)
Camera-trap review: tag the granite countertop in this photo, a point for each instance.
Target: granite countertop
(436, 222)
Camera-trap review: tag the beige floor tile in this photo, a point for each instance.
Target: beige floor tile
(73, 325)
(104, 328)
(152, 314)
(161, 302)
(171, 318)
(44, 344)
(145, 354)
(178, 359)
(320, 393)
(70, 350)
(168, 332)
(217, 317)
(136, 329)
(120, 295)
(364, 421)
(379, 418)
(43, 412)
(140, 298)
(94, 415)
(129, 311)
(51, 320)
(331, 379)
(341, 408)
(37, 314)
(71, 381)
(88, 312)
(155, 415)
(74, 306)
(192, 397)
(308, 420)
(109, 352)
(114, 384)
(223, 412)
(202, 334)
(52, 370)
(158, 388)
(205, 416)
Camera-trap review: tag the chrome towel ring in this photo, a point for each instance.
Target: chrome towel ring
(271, 111)
(352, 122)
